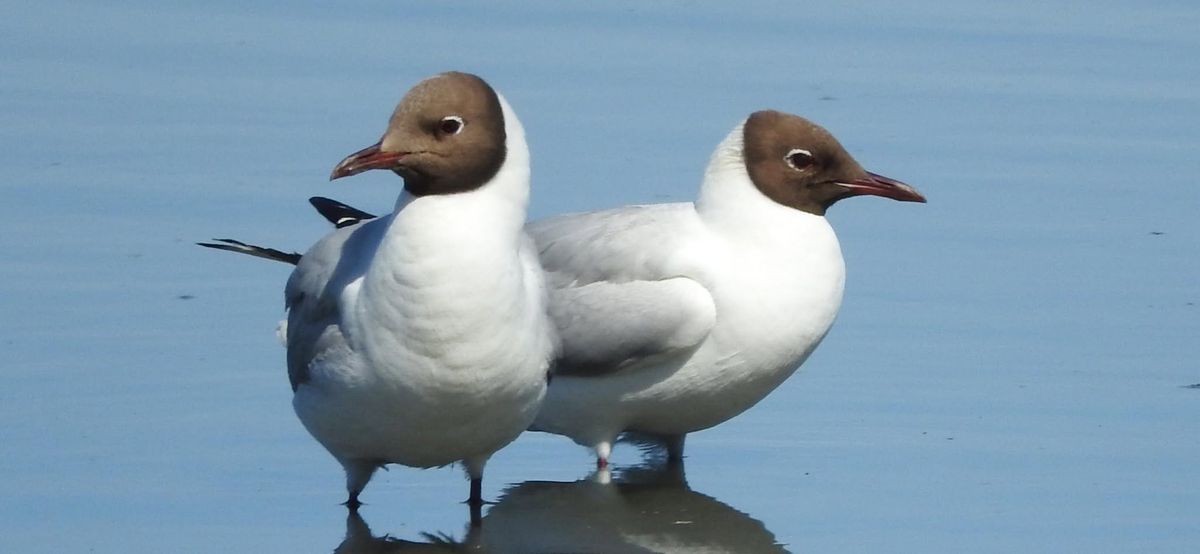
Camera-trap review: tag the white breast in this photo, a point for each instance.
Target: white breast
(774, 305)
(433, 345)
(776, 277)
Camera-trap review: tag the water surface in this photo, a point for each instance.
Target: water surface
(1007, 374)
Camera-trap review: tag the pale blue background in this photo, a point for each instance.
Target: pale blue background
(1007, 373)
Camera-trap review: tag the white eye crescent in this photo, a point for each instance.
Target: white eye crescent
(451, 125)
(800, 159)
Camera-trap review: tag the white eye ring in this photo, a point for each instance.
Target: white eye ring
(451, 125)
(796, 152)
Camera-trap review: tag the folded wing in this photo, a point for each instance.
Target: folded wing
(314, 293)
(621, 294)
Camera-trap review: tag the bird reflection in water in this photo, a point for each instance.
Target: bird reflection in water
(360, 540)
(639, 509)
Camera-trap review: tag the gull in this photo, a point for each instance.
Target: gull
(674, 318)
(421, 337)
(677, 317)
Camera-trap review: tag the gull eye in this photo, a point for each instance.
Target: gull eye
(451, 125)
(800, 159)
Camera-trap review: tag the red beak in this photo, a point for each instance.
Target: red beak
(366, 159)
(878, 185)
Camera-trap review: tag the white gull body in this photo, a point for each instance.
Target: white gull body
(420, 338)
(677, 317)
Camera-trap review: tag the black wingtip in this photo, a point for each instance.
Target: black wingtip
(337, 213)
(231, 245)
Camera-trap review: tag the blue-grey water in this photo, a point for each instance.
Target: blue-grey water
(1008, 372)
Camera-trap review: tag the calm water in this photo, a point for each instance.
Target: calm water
(1008, 372)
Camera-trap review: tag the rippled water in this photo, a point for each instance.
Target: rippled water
(1009, 371)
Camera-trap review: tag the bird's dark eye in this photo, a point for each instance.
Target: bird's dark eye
(800, 159)
(451, 125)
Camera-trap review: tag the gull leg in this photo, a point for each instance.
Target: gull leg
(674, 445)
(358, 474)
(603, 450)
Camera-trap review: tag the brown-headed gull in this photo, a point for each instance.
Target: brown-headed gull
(674, 318)
(421, 337)
(677, 317)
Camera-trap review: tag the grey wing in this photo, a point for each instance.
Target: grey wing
(313, 294)
(630, 243)
(615, 297)
(608, 327)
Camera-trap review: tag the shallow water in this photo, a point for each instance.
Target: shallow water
(1007, 374)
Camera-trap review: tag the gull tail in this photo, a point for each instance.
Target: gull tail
(251, 250)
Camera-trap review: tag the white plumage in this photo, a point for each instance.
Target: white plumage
(677, 317)
(420, 337)
(673, 318)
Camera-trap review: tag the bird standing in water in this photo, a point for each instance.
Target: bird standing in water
(420, 338)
